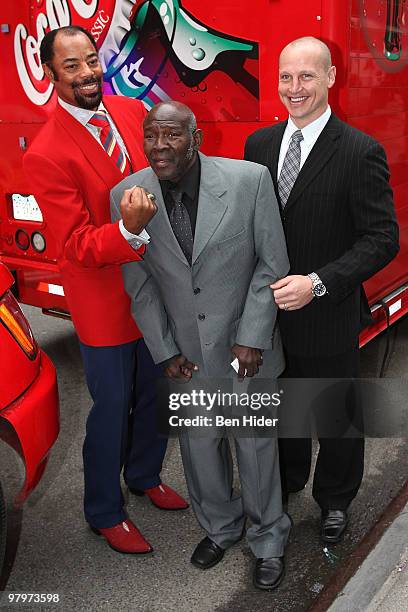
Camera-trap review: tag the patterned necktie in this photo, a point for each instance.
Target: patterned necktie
(109, 142)
(181, 225)
(290, 168)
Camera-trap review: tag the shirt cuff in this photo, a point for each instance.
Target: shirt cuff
(135, 240)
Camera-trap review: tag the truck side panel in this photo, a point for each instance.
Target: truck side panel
(222, 60)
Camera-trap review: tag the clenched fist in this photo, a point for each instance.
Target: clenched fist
(137, 209)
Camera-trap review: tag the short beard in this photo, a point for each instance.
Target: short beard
(88, 102)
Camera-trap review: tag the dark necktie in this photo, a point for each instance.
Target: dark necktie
(290, 168)
(181, 225)
(109, 142)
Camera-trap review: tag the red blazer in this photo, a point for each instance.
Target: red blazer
(71, 177)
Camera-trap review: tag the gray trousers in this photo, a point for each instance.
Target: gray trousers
(221, 512)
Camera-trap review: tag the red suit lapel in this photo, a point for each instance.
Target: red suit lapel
(125, 124)
(78, 136)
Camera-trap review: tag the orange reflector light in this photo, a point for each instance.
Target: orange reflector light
(12, 317)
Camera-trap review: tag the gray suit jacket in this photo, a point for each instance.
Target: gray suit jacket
(224, 297)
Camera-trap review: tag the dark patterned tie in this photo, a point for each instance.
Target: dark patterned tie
(181, 225)
(109, 142)
(290, 168)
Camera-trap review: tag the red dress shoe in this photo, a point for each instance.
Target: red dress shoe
(163, 497)
(125, 538)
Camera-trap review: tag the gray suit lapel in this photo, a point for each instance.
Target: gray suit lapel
(211, 208)
(273, 151)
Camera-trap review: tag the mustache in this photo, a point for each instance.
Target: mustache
(88, 81)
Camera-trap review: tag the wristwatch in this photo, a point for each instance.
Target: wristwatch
(318, 289)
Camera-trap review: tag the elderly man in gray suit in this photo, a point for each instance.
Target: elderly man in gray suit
(201, 297)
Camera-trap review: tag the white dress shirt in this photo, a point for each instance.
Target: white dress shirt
(83, 115)
(310, 134)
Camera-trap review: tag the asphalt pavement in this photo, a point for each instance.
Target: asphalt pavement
(58, 554)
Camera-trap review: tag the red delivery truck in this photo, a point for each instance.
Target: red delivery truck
(222, 60)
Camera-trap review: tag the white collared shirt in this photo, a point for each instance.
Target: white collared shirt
(83, 115)
(310, 134)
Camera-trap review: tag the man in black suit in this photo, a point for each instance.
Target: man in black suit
(337, 210)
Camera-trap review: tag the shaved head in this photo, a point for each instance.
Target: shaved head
(305, 76)
(310, 43)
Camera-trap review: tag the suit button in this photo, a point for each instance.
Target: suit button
(201, 316)
(197, 290)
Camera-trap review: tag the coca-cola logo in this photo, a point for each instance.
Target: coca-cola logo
(152, 50)
(56, 14)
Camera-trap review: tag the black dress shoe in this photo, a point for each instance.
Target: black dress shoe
(333, 525)
(268, 573)
(207, 554)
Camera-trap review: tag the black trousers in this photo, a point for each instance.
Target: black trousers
(340, 462)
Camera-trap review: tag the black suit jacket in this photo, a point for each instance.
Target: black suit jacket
(339, 222)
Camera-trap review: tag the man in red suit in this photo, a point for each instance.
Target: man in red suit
(88, 145)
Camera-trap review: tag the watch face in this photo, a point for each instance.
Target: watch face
(384, 23)
(319, 290)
